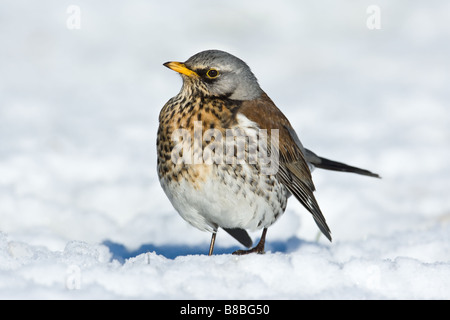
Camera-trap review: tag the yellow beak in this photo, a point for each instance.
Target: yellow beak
(180, 68)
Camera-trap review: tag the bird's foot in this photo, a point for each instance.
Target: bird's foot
(252, 250)
(258, 249)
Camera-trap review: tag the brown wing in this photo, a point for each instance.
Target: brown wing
(293, 170)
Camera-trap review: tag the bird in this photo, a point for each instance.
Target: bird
(228, 158)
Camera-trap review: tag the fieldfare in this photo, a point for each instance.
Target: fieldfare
(228, 157)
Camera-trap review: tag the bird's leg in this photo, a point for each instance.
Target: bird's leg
(259, 247)
(211, 246)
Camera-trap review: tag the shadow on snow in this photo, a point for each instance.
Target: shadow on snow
(171, 251)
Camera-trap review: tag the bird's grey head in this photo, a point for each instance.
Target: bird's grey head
(218, 73)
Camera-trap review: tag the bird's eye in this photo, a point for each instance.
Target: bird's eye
(212, 73)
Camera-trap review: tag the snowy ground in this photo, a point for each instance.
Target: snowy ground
(82, 214)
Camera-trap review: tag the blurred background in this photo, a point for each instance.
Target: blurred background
(82, 84)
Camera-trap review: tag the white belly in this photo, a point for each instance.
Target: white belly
(229, 199)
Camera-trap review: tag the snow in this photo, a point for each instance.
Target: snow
(82, 215)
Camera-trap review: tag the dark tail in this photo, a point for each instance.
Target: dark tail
(240, 235)
(339, 166)
(327, 164)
